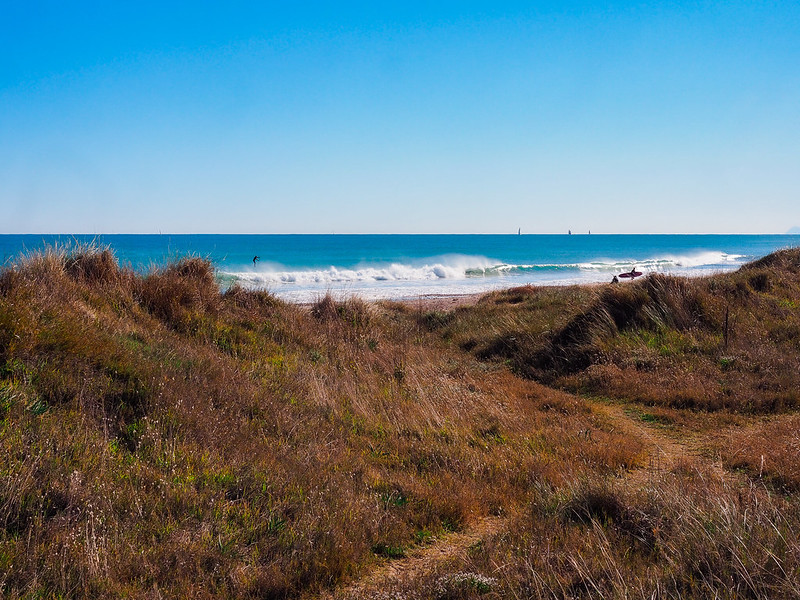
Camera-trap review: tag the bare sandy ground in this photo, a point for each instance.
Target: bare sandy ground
(428, 302)
(442, 302)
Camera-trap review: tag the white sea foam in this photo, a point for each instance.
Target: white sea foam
(446, 267)
(459, 274)
(666, 263)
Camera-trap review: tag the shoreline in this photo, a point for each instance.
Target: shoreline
(464, 287)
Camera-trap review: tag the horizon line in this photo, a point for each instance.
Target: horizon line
(333, 233)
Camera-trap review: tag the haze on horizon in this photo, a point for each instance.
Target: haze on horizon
(675, 117)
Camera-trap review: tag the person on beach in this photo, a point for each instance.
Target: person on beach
(614, 279)
(255, 258)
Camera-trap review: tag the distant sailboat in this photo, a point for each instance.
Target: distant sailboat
(569, 231)
(519, 231)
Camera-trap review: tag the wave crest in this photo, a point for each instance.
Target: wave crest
(458, 267)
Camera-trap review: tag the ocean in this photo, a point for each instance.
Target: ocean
(302, 268)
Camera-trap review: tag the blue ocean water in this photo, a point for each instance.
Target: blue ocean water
(304, 267)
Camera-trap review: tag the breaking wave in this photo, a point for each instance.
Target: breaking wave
(459, 267)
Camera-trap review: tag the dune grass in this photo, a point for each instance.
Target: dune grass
(160, 436)
(724, 342)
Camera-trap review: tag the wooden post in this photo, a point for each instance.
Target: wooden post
(725, 331)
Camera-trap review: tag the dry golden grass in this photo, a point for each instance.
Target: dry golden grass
(769, 451)
(687, 534)
(160, 435)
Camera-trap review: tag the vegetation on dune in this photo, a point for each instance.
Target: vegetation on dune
(768, 450)
(729, 341)
(159, 436)
(157, 433)
(686, 534)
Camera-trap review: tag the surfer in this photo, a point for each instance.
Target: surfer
(632, 274)
(614, 279)
(255, 258)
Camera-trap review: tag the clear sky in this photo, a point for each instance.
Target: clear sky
(261, 117)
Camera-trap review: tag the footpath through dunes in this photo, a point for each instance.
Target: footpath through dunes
(663, 452)
(421, 571)
(443, 554)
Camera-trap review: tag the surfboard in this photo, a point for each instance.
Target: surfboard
(630, 274)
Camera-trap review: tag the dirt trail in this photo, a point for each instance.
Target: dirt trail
(664, 453)
(390, 574)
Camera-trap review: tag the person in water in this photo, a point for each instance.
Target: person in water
(255, 258)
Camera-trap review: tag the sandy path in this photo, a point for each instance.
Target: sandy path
(663, 454)
(390, 574)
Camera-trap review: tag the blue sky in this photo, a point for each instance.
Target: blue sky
(367, 117)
